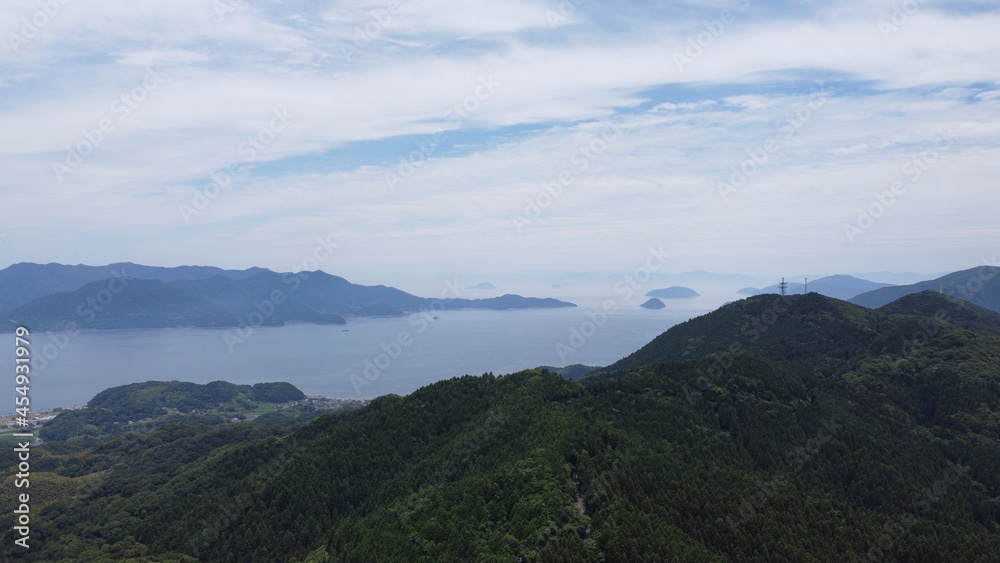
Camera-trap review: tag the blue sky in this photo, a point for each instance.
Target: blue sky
(502, 137)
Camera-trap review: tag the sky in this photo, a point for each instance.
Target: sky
(376, 140)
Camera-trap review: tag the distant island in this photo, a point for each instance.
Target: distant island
(124, 296)
(674, 292)
(483, 285)
(653, 303)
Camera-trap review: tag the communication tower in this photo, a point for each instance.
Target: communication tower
(783, 286)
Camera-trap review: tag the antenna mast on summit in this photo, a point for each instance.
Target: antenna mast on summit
(783, 286)
(806, 290)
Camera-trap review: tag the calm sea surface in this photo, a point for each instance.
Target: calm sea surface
(366, 358)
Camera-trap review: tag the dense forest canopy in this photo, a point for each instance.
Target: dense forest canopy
(774, 429)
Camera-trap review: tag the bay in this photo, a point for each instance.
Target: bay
(367, 358)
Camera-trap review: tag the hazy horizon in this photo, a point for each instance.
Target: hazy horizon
(590, 289)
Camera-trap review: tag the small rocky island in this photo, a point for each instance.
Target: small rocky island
(653, 303)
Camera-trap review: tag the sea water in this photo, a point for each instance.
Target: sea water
(366, 358)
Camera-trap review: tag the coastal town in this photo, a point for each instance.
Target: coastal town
(11, 423)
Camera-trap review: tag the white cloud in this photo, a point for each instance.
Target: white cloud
(158, 57)
(685, 106)
(853, 149)
(988, 95)
(751, 102)
(550, 90)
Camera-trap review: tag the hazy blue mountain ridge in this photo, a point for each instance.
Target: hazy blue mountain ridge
(980, 286)
(837, 286)
(24, 282)
(263, 298)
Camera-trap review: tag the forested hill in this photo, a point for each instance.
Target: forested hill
(823, 450)
(981, 286)
(143, 406)
(807, 327)
(823, 333)
(946, 308)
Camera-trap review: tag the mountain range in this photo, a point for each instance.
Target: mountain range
(795, 428)
(24, 282)
(980, 286)
(838, 286)
(180, 297)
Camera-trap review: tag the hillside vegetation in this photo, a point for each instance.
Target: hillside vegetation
(980, 286)
(155, 403)
(831, 432)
